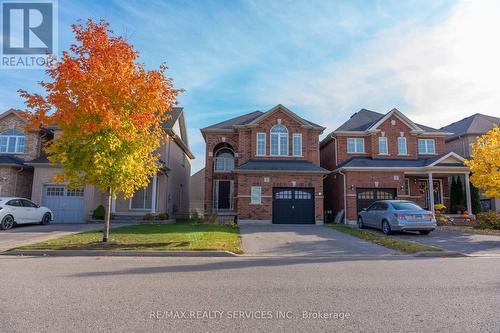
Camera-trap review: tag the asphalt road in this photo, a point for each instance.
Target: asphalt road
(117, 294)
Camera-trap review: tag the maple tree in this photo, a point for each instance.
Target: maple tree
(485, 163)
(109, 109)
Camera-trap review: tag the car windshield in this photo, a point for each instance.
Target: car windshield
(406, 206)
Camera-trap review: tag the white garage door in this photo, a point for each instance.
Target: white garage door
(67, 205)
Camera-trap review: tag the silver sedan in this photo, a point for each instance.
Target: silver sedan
(397, 215)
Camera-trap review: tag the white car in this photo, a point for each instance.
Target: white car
(15, 210)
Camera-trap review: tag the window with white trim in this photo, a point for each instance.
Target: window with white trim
(355, 145)
(382, 145)
(402, 148)
(297, 144)
(256, 195)
(426, 146)
(279, 140)
(261, 144)
(12, 141)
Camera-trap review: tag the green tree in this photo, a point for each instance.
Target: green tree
(460, 192)
(453, 196)
(110, 110)
(475, 199)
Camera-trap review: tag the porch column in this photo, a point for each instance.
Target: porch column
(467, 194)
(153, 195)
(431, 193)
(113, 204)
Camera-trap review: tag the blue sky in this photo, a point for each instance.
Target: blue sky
(437, 61)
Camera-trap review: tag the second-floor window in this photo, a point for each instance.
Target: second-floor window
(279, 140)
(297, 144)
(426, 146)
(261, 144)
(224, 160)
(355, 145)
(402, 150)
(12, 141)
(382, 146)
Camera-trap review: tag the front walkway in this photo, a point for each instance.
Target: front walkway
(33, 233)
(304, 240)
(466, 243)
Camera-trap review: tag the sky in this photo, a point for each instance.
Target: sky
(436, 61)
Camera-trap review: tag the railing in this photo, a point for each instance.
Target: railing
(223, 164)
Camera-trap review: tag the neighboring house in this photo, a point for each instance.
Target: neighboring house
(197, 193)
(377, 156)
(464, 133)
(17, 147)
(167, 192)
(263, 167)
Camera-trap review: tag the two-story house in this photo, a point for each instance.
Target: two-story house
(17, 148)
(376, 156)
(464, 133)
(168, 191)
(263, 167)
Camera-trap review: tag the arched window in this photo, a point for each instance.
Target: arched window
(279, 140)
(224, 160)
(12, 141)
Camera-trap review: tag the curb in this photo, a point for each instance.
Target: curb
(103, 253)
(440, 254)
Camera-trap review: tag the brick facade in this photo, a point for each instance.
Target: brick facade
(243, 141)
(392, 128)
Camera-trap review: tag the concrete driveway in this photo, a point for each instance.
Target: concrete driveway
(32, 233)
(457, 241)
(304, 240)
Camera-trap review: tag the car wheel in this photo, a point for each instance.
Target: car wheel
(7, 222)
(361, 225)
(386, 228)
(45, 219)
(424, 232)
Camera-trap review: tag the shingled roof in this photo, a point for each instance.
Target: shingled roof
(12, 160)
(300, 166)
(476, 124)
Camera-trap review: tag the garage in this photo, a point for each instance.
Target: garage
(293, 205)
(67, 205)
(366, 196)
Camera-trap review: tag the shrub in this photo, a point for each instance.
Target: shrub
(148, 217)
(489, 220)
(231, 224)
(98, 213)
(162, 216)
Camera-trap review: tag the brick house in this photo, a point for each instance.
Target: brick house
(376, 156)
(168, 191)
(17, 148)
(464, 133)
(263, 167)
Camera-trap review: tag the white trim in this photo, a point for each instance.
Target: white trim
(280, 137)
(259, 194)
(380, 139)
(426, 147)
(298, 135)
(401, 117)
(406, 146)
(153, 194)
(450, 154)
(257, 144)
(355, 146)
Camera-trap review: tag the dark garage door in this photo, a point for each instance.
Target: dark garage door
(366, 196)
(293, 205)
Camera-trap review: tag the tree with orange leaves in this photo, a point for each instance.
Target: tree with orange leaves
(109, 109)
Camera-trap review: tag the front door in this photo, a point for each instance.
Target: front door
(223, 194)
(424, 189)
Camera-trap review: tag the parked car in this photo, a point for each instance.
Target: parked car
(19, 210)
(397, 215)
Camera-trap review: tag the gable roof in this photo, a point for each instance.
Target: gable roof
(255, 117)
(476, 124)
(18, 113)
(177, 116)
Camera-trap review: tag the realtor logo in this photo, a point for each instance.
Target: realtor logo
(28, 33)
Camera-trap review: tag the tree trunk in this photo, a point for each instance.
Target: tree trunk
(105, 233)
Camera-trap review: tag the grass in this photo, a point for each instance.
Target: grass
(387, 241)
(181, 236)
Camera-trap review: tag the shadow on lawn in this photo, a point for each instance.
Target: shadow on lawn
(131, 246)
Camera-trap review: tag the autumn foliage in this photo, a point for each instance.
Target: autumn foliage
(485, 163)
(109, 109)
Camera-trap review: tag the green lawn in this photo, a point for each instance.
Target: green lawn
(180, 236)
(387, 241)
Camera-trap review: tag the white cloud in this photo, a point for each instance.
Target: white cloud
(435, 73)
